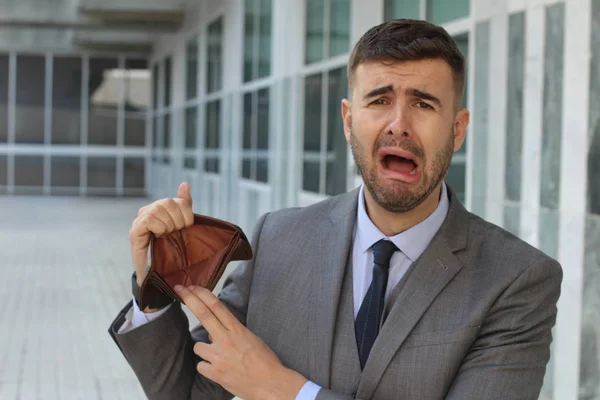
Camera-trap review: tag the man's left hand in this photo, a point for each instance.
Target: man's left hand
(237, 359)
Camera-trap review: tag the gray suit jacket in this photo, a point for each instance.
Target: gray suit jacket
(471, 319)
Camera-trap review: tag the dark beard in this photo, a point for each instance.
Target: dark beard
(397, 198)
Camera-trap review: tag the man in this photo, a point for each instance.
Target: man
(391, 291)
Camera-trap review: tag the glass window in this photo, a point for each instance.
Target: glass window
(66, 100)
(456, 179)
(211, 165)
(262, 130)
(257, 39)
(155, 131)
(103, 103)
(101, 172)
(462, 41)
(213, 124)
(212, 135)
(137, 101)
(442, 11)
(264, 39)
(190, 127)
(262, 170)
(315, 30)
(325, 150)
(167, 83)
(248, 122)
(214, 59)
(191, 84)
(167, 137)
(256, 135)
(4, 65)
(135, 130)
(133, 173)
(312, 112)
(189, 163)
(30, 99)
(339, 27)
(3, 171)
(249, 29)
(64, 171)
(155, 80)
(29, 171)
(409, 9)
(456, 176)
(337, 147)
(311, 176)
(336, 33)
(247, 169)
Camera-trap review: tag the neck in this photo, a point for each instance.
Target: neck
(390, 223)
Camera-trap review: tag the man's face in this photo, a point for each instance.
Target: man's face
(403, 127)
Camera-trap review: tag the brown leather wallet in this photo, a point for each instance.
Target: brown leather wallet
(197, 255)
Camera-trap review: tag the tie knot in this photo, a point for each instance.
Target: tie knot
(382, 252)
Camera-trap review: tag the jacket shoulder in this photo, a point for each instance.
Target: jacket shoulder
(492, 242)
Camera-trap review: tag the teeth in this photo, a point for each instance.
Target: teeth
(414, 171)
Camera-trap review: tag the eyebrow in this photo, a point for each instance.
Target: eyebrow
(410, 91)
(379, 91)
(423, 95)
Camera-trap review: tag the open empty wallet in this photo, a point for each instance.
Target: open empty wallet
(197, 255)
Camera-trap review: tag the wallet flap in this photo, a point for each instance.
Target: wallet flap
(242, 249)
(197, 255)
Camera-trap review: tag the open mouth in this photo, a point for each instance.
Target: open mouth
(400, 162)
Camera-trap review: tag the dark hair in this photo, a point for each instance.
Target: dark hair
(409, 40)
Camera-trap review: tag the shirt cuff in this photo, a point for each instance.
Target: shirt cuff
(140, 318)
(309, 391)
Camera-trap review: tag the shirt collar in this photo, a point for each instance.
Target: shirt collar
(411, 242)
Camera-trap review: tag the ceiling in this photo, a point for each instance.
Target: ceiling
(94, 25)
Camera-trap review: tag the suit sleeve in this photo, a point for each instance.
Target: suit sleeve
(508, 359)
(161, 352)
(325, 394)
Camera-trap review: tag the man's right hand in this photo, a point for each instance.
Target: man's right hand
(159, 218)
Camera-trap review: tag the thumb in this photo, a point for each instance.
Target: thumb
(184, 192)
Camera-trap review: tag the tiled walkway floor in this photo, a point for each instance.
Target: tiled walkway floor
(65, 268)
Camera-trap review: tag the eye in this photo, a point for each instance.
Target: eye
(379, 102)
(422, 104)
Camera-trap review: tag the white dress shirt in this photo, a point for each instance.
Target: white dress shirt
(411, 244)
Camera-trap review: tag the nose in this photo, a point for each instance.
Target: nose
(399, 125)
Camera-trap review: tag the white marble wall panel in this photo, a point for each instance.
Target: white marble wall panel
(479, 130)
(552, 98)
(576, 75)
(514, 106)
(590, 318)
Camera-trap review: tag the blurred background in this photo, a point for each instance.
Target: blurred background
(108, 105)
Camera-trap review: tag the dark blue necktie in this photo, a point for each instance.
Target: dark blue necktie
(368, 319)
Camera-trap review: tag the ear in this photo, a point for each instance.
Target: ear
(347, 118)
(461, 123)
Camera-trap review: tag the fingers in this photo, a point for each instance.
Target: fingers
(159, 218)
(205, 351)
(186, 212)
(222, 313)
(205, 369)
(184, 192)
(206, 317)
(139, 238)
(175, 214)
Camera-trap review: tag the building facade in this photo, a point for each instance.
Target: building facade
(243, 102)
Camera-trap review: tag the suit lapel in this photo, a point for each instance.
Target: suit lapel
(428, 277)
(329, 259)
